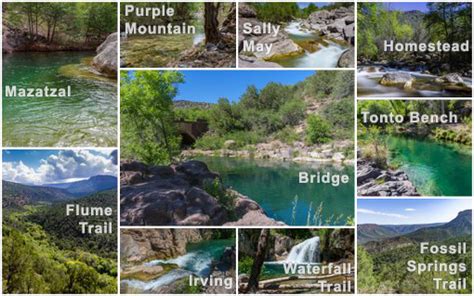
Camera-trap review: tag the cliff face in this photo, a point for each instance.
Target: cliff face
(140, 244)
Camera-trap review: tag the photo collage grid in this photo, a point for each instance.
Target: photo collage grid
(233, 147)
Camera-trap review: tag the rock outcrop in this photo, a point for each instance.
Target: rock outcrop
(176, 195)
(137, 245)
(372, 181)
(106, 59)
(335, 24)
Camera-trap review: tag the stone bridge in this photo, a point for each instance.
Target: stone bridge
(190, 131)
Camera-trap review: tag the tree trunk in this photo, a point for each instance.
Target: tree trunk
(211, 24)
(262, 246)
(165, 138)
(53, 31)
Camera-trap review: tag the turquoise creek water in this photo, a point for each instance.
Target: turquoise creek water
(436, 169)
(87, 118)
(274, 186)
(197, 261)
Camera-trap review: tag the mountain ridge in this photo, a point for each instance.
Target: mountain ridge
(459, 226)
(17, 195)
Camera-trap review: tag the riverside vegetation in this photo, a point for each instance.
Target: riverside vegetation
(74, 44)
(264, 253)
(408, 158)
(161, 261)
(44, 250)
(307, 36)
(384, 251)
(306, 123)
(392, 73)
(207, 41)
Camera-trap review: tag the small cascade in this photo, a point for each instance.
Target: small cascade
(294, 28)
(198, 262)
(305, 252)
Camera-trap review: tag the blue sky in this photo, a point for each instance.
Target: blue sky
(409, 211)
(209, 86)
(318, 4)
(406, 6)
(38, 167)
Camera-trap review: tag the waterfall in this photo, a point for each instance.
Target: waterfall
(305, 252)
(198, 262)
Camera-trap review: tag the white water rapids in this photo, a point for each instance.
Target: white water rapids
(197, 263)
(325, 57)
(368, 83)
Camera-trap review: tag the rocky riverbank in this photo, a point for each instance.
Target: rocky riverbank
(16, 40)
(183, 194)
(282, 45)
(418, 81)
(220, 55)
(335, 25)
(139, 246)
(372, 181)
(337, 152)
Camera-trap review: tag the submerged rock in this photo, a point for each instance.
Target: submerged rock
(106, 59)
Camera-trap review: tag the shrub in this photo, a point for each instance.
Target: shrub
(287, 135)
(318, 130)
(245, 264)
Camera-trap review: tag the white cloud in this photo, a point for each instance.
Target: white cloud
(410, 210)
(64, 165)
(370, 212)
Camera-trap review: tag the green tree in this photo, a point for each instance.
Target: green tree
(147, 115)
(366, 281)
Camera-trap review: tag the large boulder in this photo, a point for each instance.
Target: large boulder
(346, 60)
(282, 46)
(396, 79)
(106, 59)
(450, 78)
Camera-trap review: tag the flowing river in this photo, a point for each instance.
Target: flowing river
(197, 261)
(325, 57)
(424, 86)
(87, 118)
(274, 186)
(434, 168)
